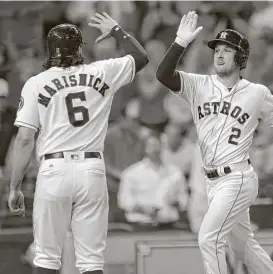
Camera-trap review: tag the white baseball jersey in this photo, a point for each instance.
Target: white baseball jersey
(70, 106)
(225, 120)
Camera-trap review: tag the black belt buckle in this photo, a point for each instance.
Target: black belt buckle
(211, 174)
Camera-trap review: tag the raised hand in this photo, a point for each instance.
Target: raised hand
(187, 30)
(104, 23)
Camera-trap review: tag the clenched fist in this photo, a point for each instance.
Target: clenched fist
(16, 203)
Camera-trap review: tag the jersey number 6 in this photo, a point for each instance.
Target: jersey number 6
(72, 111)
(236, 134)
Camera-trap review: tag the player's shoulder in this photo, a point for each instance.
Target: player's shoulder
(42, 75)
(109, 61)
(31, 81)
(257, 87)
(194, 75)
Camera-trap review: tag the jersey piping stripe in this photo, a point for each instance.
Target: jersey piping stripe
(19, 123)
(199, 128)
(226, 118)
(212, 131)
(182, 88)
(220, 134)
(217, 238)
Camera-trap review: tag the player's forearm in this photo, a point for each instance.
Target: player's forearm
(131, 46)
(22, 153)
(167, 73)
(112, 171)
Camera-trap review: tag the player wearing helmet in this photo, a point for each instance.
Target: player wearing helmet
(226, 109)
(69, 104)
(63, 44)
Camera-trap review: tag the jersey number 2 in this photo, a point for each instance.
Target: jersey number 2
(236, 134)
(73, 111)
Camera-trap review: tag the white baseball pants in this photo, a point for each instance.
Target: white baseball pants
(228, 221)
(71, 194)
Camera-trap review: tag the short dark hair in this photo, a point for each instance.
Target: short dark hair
(64, 62)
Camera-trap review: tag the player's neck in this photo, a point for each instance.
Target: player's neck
(156, 160)
(229, 81)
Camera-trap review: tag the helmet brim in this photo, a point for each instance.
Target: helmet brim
(212, 43)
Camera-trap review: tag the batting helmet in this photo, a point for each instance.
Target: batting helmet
(236, 40)
(63, 41)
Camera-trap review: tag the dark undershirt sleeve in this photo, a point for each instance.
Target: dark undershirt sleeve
(131, 46)
(166, 71)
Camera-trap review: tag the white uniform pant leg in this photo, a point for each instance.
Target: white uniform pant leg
(247, 249)
(90, 215)
(52, 211)
(68, 256)
(229, 198)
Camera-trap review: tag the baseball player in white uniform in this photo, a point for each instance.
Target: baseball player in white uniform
(226, 110)
(69, 104)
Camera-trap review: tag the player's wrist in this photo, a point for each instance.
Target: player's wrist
(181, 42)
(115, 29)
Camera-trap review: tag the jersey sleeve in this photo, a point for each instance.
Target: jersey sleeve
(190, 85)
(120, 71)
(27, 113)
(267, 108)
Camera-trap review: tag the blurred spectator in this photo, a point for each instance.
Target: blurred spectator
(261, 40)
(5, 63)
(261, 157)
(152, 191)
(4, 90)
(121, 99)
(178, 110)
(198, 201)
(151, 91)
(23, 64)
(123, 147)
(178, 146)
(160, 21)
(106, 49)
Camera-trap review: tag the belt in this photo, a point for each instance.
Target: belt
(220, 171)
(59, 155)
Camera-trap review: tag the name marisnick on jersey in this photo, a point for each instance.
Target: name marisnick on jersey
(57, 84)
(210, 108)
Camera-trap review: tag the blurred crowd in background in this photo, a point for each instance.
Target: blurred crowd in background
(153, 164)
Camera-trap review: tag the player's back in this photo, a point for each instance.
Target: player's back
(74, 103)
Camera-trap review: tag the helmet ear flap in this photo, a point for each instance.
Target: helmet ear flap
(240, 59)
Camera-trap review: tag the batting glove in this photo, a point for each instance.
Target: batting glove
(187, 30)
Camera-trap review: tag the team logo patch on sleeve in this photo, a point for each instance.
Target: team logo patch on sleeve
(21, 103)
